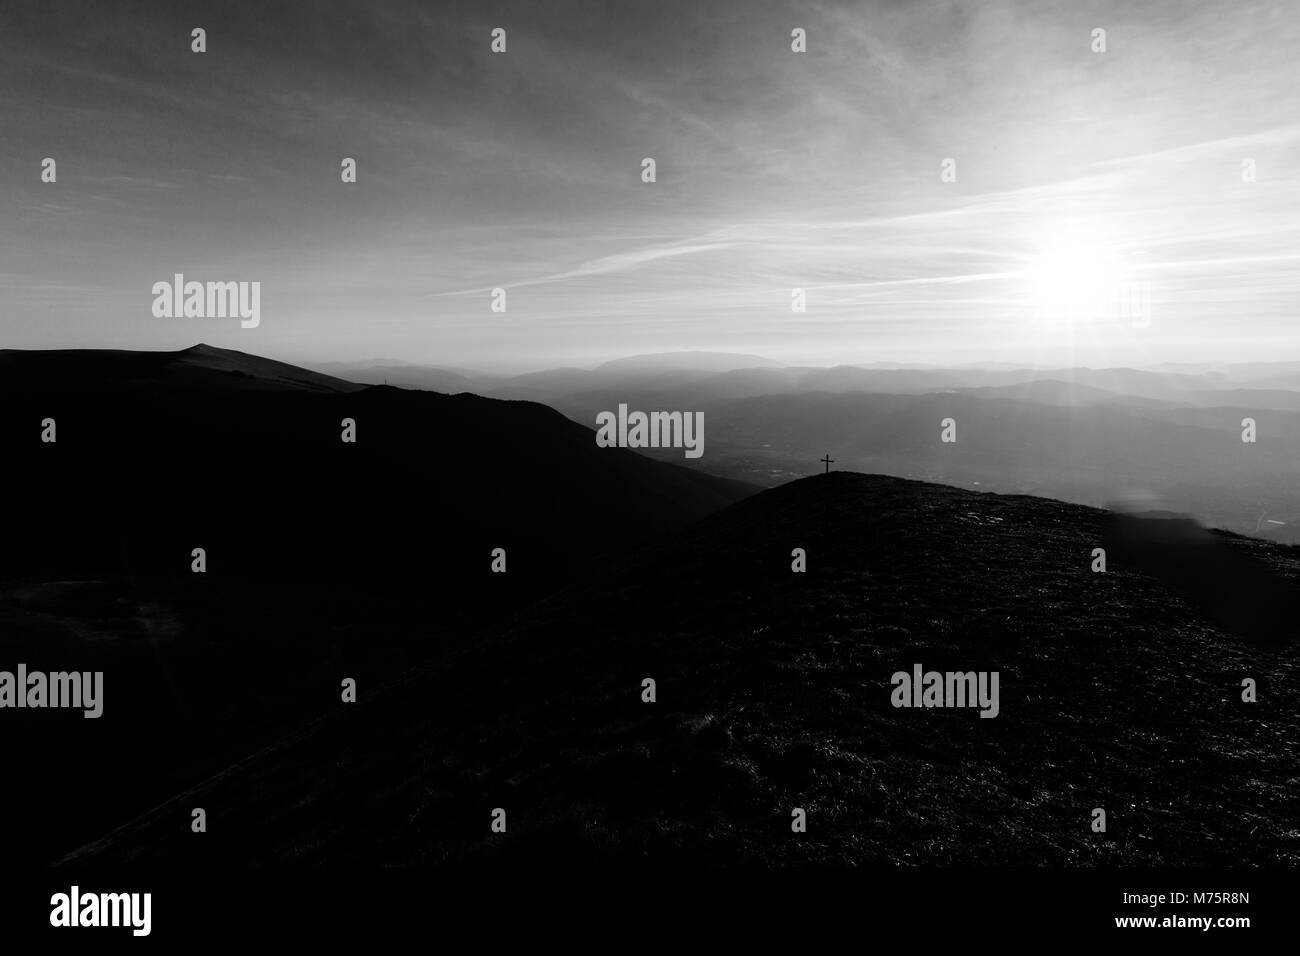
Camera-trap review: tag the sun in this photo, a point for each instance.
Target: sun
(1075, 277)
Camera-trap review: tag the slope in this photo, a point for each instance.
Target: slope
(200, 533)
(774, 692)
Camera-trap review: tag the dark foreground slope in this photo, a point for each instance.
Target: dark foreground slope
(774, 693)
(324, 559)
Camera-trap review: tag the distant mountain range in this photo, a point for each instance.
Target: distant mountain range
(713, 375)
(1094, 436)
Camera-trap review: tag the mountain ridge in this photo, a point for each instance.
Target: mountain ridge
(199, 366)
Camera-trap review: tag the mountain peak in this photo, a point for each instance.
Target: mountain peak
(693, 361)
(200, 366)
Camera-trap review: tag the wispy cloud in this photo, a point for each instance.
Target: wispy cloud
(775, 171)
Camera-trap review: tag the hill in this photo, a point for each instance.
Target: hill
(201, 367)
(1118, 690)
(322, 559)
(247, 454)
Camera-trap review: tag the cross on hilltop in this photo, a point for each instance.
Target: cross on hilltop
(829, 461)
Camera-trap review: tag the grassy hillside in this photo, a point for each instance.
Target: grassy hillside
(1117, 691)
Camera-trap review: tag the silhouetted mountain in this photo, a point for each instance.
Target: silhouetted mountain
(248, 454)
(201, 367)
(324, 559)
(774, 693)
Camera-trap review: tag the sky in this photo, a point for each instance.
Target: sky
(1100, 213)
